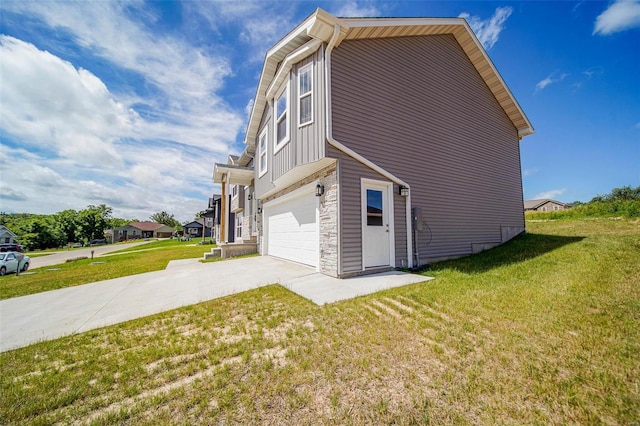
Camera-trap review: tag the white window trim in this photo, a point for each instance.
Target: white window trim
(265, 133)
(235, 190)
(278, 146)
(308, 67)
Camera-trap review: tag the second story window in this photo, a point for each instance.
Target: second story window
(305, 95)
(282, 117)
(262, 152)
(234, 191)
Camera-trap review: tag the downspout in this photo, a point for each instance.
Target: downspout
(223, 202)
(358, 157)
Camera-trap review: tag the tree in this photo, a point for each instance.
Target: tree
(165, 219)
(93, 221)
(67, 223)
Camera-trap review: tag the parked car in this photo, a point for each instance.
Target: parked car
(76, 245)
(9, 262)
(98, 242)
(11, 247)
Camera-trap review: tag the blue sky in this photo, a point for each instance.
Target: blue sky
(131, 103)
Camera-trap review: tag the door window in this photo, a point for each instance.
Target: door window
(374, 207)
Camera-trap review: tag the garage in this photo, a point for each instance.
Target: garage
(291, 227)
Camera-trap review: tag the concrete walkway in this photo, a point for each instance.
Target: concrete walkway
(53, 314)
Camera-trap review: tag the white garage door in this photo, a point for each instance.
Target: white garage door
(292, 229)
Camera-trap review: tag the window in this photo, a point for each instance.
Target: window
(234, 191)
(238, 225)
(282, 119)
(262, 152)
(305, 95)
(374, 207)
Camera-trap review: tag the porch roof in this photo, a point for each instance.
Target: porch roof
(235, 175)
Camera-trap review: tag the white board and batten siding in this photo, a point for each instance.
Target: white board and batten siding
(291, 227)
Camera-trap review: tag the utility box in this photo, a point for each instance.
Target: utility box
(416, 216)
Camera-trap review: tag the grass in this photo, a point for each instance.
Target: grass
(544, 330)
(149, 257)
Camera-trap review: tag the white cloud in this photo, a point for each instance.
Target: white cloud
(619, 16)
(550, 79)
(187, 107)
(355, 9)
(551, 194)
(87, 143)
(588, 75)
(529, 172)
(488, 30)
(50, 104)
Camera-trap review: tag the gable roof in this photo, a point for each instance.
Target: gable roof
(4, 229)
(193, 224)
(320, 27)
(534, 204)
(146, 226)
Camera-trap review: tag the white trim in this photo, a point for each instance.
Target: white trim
(366, 183)
(265, 133)
(358, 157)
(235, 190)
(277, 145)
(306, 68)
(292, 58)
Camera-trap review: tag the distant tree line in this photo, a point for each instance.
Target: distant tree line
(624, 201)
(39, 232)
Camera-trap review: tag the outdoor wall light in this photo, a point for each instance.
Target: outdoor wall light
(319, 190)
(404, 191)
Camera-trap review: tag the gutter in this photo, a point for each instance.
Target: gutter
(358, 157)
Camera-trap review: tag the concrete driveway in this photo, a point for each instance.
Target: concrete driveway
(61, 256)
(53, 314)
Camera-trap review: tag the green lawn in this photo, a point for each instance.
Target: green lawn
(149, 257)
(543, 330)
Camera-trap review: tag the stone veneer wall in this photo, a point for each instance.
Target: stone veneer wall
(328, 234)
(246, 228)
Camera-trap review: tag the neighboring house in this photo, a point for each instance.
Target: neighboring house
(376, 143)
(194, 230)
(544, 205)
(212, 215)
(135, 230)
(6, 236)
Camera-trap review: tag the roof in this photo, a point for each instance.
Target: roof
(236, 175)
(534, 204)
(320, 26)
(146, 226)
(193, 224)
(5, 229)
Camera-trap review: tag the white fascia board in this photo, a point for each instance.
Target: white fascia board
(521, 132)
(294, 57)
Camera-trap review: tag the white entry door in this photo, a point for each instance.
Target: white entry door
(377, 226)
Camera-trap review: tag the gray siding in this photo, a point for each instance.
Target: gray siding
(263, 184)
(306, 143)
(350, 172)
(417, 107)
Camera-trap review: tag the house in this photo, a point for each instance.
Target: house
(194, 230)
(545, 205)
(6, 236)
(376, 143)
(212, 215)
(136, 230)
